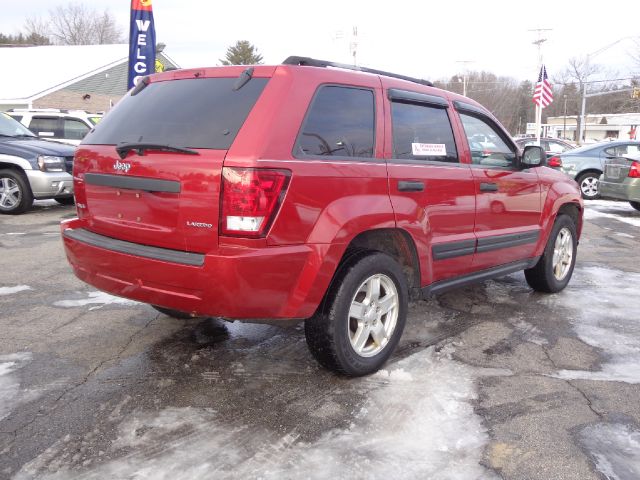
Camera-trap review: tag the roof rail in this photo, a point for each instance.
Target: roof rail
(313, 62)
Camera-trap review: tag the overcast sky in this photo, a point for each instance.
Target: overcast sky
(416, 38)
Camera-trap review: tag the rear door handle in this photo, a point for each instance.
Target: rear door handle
(488, 187)
(410, 186)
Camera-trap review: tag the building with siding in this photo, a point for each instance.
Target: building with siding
(84, 77)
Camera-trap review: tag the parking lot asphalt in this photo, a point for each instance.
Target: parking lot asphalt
(491, 381)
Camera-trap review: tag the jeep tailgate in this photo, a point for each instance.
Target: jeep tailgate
(162, 199)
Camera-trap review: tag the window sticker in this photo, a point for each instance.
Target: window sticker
(429, 149)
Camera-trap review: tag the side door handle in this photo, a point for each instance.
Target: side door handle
(488, 187)
(410, 186)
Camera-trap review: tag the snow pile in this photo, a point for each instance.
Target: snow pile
(100, 299)
(615, 449)
(12, 290)
(613, 210)
(416, 423)
(609, 321)
(9, 385)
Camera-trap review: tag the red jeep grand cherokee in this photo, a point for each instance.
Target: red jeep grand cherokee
(301, 191)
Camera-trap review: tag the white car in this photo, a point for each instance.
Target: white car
(67, 126)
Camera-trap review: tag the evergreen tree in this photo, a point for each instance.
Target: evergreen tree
(242, 53)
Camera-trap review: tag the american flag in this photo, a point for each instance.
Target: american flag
(543, 95)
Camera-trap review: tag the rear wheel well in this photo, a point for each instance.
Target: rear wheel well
(590, 170)
(395, 243)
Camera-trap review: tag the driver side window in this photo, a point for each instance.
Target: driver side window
(487, 148)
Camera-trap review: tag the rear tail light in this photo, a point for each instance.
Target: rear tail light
(554, 162)
(634, 171)
(251, 198)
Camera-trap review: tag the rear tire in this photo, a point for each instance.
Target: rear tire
(169, 312)
(361, 319)
(65, 200)
(15, 193)
(635, 205)
(589, 185)
(554, 269)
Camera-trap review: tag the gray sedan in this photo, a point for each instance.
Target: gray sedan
(586, 164)
(621, 179)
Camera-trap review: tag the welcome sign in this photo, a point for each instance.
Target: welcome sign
(142, 42)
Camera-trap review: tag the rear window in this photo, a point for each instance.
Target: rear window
(192, 113)
(340, 123)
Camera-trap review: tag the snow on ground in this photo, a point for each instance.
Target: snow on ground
(9, 384)
(99, 299)
(602, 306)
(12, 290)
(615, 449)
(612, 209)
(416, 423)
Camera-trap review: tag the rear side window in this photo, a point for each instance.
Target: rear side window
(340, 123)
(620, 150)
(74, 129)
(45, 126)
(192, 113)
(422, 132)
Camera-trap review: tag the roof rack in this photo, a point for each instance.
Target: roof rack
(313, 62)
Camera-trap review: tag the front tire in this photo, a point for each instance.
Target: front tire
(15, 193)
(361, 320)
(635, 205)
(554, 269)
(589, 185)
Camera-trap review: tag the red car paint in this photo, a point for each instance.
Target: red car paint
(327, 203)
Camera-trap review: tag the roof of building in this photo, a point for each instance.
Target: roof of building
(31, 72)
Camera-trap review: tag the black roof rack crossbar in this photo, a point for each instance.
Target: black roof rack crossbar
(312, 62)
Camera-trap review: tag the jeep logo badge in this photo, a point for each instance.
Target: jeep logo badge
(121, 166)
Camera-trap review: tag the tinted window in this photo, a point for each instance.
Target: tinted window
(487, 147)
(45, 126)
(195, 113)
(421, 132)
(339, 123)
(74, 129)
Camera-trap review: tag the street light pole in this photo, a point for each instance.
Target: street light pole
(564, 125)
(464, 75)
(584, 85)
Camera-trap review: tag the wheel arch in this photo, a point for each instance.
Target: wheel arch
(396, 243)
(588, 170)
(574, 211)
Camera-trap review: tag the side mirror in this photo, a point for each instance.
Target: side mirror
(533, 156)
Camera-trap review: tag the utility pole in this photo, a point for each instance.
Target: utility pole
(465, 75)
(539, 43)
(354, 46)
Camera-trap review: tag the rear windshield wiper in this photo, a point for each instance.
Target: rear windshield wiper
(123, 149)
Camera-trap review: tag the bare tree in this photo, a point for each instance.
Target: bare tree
(36, 27)
(106, 29)
(76, 24)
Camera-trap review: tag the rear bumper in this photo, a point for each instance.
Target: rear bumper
(629, 189)
(50, 184)
(236, 283)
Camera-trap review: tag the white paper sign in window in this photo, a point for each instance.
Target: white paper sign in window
(429, 149)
